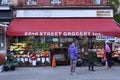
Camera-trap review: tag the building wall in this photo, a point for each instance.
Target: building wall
(62, 2)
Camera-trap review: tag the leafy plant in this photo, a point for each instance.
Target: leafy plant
(10, 62)
(117, 18)
(44, 47)
(114, 4)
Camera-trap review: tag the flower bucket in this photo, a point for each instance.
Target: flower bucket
(34, 62)
(30, 61)
(1, 68)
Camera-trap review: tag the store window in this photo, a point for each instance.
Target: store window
(5, 2)
(54, 2)
(98, 1)
(2, 39)
(31, 2)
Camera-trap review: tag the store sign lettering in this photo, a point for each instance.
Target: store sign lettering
(105, 38)
(31, 33)
(103, 13)
(62, 34)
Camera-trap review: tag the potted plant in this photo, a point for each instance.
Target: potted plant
(10, 63)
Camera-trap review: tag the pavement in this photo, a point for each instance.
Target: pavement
(60, 73)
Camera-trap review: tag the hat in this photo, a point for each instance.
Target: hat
(107, 41)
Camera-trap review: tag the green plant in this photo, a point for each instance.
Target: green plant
(31, 51)
(10, 62)
(44, 47)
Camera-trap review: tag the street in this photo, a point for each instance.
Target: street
(60, 73)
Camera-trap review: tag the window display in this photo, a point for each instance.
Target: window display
(24, 47)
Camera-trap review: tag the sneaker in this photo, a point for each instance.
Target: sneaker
(93, 70)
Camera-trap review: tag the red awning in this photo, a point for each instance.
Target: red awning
(63, 27)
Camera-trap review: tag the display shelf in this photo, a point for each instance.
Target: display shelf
(26, 61)
(60, 54)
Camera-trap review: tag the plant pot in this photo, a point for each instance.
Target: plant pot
(6, 68)
(12, 68)
(34, 62)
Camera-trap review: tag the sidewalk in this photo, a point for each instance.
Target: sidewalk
(60, 73)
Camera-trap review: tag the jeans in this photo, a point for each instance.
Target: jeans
(73, 65)
(91, 66)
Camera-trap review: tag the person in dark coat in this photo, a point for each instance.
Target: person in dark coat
(91, 60)
(108, 50)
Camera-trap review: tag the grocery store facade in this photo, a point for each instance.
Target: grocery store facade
(51, 30)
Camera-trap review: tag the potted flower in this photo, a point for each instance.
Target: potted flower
(10, 63)
(33, 58)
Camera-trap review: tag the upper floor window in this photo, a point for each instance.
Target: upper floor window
(56, 2)
(98, 1)
(5, 2)
(31, 2)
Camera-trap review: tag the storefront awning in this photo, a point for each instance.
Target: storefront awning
(63, 27)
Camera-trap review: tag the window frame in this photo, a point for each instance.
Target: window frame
(98, 1)
(31, 2)
(53, 2)
(5, 2)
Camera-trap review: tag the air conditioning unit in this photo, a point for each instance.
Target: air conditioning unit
(54, 2)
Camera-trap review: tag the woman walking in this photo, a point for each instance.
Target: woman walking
(108, 50)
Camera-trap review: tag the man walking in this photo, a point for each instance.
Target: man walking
(73, 51)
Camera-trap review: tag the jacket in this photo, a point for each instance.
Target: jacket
(91, 56)
(73, 52)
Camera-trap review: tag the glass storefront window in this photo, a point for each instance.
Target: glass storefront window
(2, 39)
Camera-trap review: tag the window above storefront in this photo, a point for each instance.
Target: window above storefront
(31, 2)
(98, 1)
(5, 2)
(56, 2)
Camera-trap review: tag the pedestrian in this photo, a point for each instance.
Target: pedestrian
(91, 60)
(73, 51)
(108, 50)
